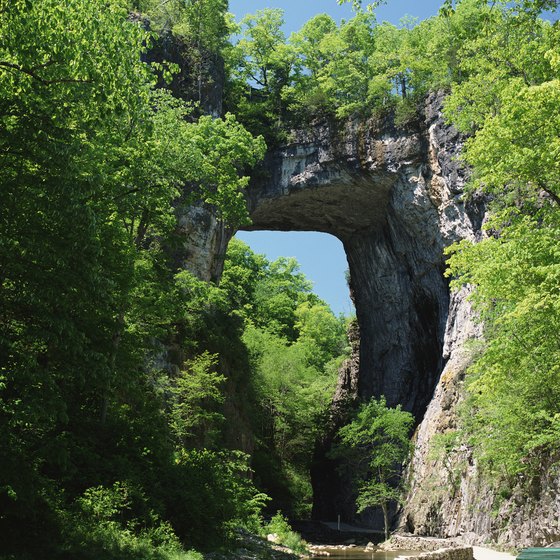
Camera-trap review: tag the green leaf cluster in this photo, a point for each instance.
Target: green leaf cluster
(374, 447)
(95, 162)
(513, 384)
(199, 30)
(279, 526)
(355, 68)
(507, 102)
(295, 346)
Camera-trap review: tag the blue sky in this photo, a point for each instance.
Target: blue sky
(321, 256)
(297, 12)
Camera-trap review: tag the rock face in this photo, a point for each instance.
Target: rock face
(393, 197)
(204, 241)
(447, 496)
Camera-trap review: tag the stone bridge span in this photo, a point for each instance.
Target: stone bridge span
(393, 197)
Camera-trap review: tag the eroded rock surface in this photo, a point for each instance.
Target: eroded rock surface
(393, 196)
(395, 199)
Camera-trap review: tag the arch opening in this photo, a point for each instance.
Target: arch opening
(321, 258)
(373, 191)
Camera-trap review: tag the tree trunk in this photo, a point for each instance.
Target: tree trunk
(385, 519)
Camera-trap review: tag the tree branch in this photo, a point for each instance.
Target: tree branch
(33, 73)
(549, 192)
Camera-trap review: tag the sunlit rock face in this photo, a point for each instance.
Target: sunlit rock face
(393, 197)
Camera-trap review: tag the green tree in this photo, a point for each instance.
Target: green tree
(200, 28)
(519, 148)
(295, 345)
(278, 295)
(266, 293)
(196, 394)
(508, 102)
(243, 269)
(320, 333)
(375, 445)
(292, 399)
(93, 160)
(512, 414)
(313, 48)
(261, 66)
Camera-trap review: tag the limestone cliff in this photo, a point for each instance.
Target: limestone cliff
(394, 196)
(448, 497)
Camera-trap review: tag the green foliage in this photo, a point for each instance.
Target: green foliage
(201, 27)
(512, 414)
(293, 399)
(195, 394)
(279, 526)
(266, 293)
(260, 66)
(277, 297)
(374, 446)
(295, 345)
(321, 335)
(508, 53)
(362, 66)
(507, 100)
(294, 393)
(101, 526)
(93, 162)
(210, 494)
(519, 148)
(359, 67)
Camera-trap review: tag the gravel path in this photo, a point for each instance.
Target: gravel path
(489, 554)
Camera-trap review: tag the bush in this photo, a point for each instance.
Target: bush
(101, 527)
(279, 526)
(210, 495)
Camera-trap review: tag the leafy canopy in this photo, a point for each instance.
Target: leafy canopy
(374, 446)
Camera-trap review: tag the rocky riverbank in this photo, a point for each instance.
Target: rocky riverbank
(253, 547)
(422, 544)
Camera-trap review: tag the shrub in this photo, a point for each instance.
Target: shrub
(279, 526)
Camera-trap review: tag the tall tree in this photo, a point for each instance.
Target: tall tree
(92, 161)
(374, 445)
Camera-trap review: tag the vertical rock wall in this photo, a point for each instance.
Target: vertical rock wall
(394, 198)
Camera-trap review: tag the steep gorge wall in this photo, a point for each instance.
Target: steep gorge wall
(394, 198)
(448, 497)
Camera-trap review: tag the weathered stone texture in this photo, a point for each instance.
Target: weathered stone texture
(204, 241)
(464, 553)
(395, 199)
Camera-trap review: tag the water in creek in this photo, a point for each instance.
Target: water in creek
(359, 553)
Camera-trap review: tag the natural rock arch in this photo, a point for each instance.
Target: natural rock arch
(393, 197)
